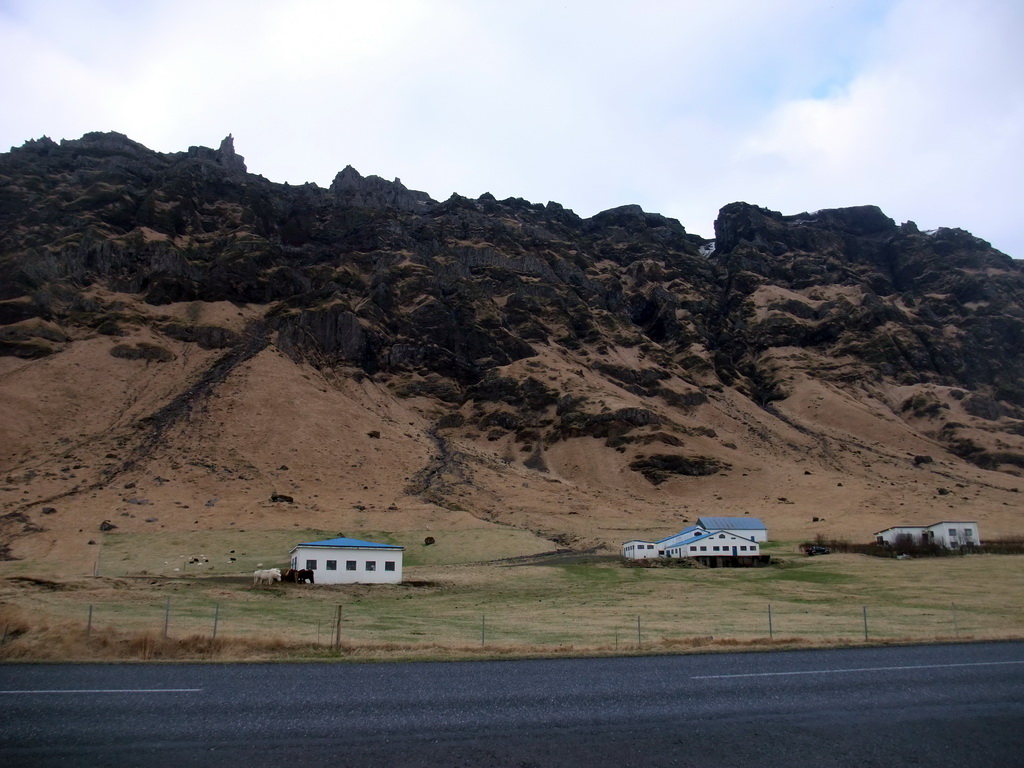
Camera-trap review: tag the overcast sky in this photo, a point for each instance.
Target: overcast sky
(916, 106)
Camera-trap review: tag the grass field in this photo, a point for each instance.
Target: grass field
(447, 608)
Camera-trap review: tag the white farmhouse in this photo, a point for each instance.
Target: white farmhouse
(350, 561)
(951, 534)
(747, 527)
(703, 544)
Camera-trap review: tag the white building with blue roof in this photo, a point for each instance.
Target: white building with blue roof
(704, 544)
(710, 537)
(349, 561)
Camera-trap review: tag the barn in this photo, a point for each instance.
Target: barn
(349, 561)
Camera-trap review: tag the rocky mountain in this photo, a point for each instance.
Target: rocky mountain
(171, 322)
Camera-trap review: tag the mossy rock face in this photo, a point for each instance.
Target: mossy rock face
(206, 336)
(143, 351)
(660, 467)
(32, 339)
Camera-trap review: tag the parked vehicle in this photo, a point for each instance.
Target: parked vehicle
(818, 550)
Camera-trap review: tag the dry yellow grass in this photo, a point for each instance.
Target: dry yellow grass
(472, 611)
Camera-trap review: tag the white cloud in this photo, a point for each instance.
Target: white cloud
(932, 129)
(682, 107)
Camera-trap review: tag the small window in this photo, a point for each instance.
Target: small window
(721, 535)
(715, 548)
(371, 565)
(742, 548)
(703, 549)
(952, 533)
(311, 565)
(968, 533)
(350, 565)
(389, 565)
(693, 548)
(332, 565)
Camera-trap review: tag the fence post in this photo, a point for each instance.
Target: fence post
(318, 631)
(167, 616)
(865, 623)
(216, 616)
(771, 631)
(88, 627)
(337, 630)
(639, 642)
(483, 628)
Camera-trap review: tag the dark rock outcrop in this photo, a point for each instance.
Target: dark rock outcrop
(445, 296)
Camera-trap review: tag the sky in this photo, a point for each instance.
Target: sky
(682, 107)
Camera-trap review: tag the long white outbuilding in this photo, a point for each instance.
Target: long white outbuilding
(349, 561)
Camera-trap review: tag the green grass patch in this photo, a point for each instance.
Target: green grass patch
(811, 576)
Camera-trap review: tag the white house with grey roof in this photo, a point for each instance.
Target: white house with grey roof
(349, 561)
(951, 534)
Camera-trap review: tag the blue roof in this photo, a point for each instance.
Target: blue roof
(345, 542)
(691, 529)
(698, 537)
(733, 523)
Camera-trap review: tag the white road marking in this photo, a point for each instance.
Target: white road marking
(113, 690)
(859, 669)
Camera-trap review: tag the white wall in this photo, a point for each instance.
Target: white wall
(725, 542)
(342, 556)
(937, 533)
(954, 535)
(890, 535)
(639, 550)
(757, 534)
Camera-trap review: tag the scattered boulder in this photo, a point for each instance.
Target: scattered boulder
(281, 498)
(106, 525)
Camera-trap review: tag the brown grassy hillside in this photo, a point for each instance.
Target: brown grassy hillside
(180, 341)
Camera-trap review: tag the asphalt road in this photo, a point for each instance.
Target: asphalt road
(956, 705)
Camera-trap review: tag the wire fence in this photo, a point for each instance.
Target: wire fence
(326, 624)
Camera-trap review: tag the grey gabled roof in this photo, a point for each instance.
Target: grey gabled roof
(732, 523)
